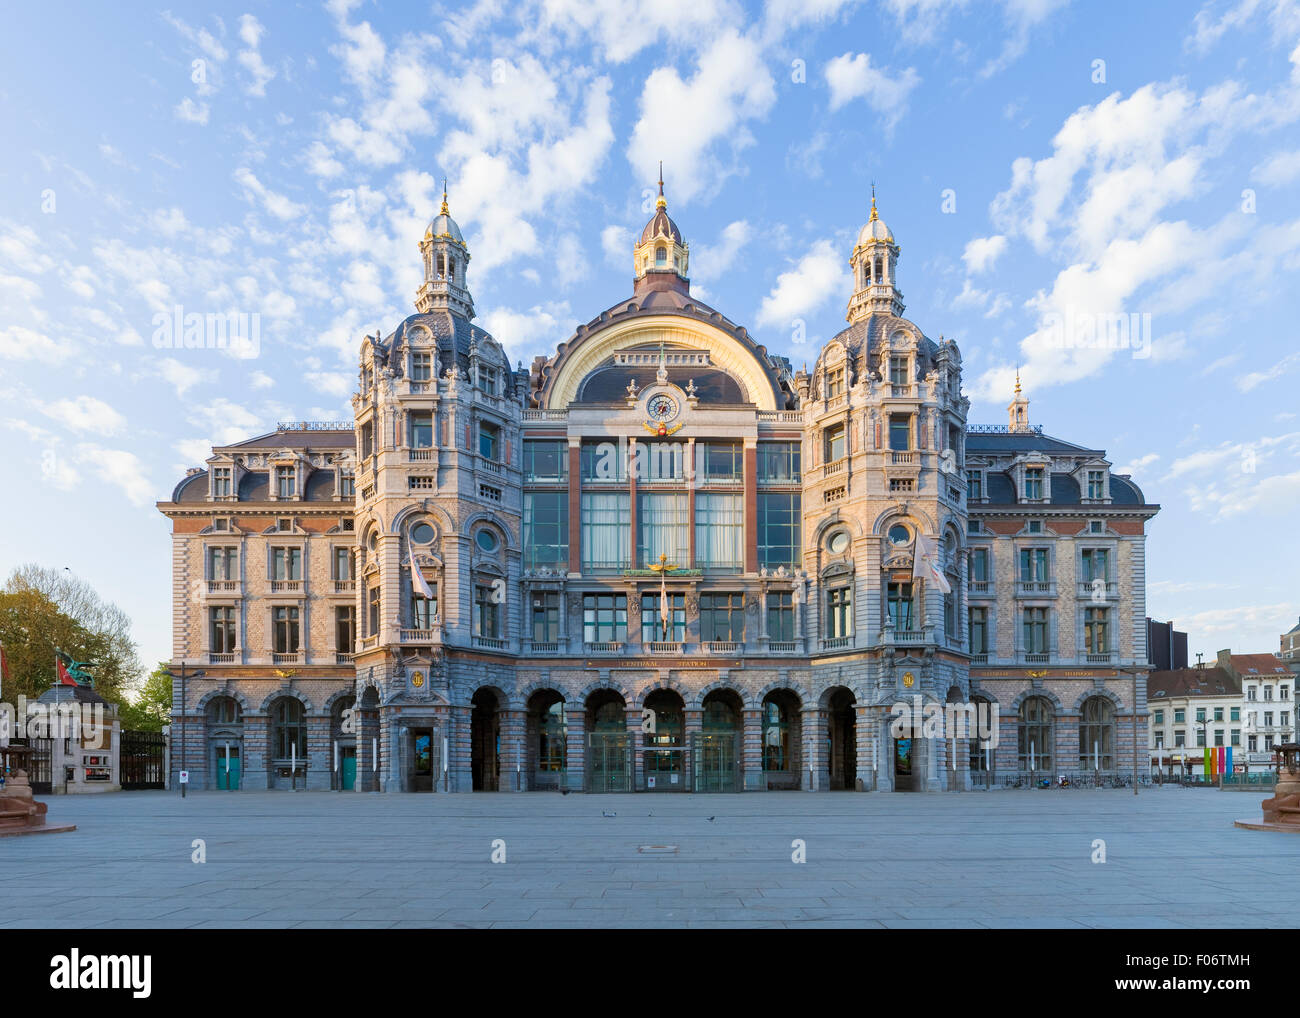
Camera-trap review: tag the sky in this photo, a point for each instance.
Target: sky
(1045, 165)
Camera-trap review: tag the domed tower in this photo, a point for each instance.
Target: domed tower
(661, 259)
(874, 260)
(445, 259)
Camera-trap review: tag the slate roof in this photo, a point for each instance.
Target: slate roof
(1213, 681)
(1005, 444)
(864, 338)
(341, 438)
(452, 334)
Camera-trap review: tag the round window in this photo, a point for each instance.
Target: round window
(899, 534)
(422, 533)
(839, 543)
(487, 540)
(374, 541)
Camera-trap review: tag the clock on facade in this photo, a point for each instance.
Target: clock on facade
(661, 408)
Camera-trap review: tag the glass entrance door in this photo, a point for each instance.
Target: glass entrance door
(422, 760)
(610, 769)
(716, 756)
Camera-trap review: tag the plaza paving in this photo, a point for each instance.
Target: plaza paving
(983, 859)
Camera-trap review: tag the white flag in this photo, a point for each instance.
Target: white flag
(925, 564)
(419, 585)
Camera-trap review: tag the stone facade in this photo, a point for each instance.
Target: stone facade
(660, 559)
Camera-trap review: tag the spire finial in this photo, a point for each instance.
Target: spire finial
(445, 211)
(1017, 381)
(662, 202)
(874, 216)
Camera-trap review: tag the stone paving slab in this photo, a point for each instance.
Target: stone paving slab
(984, 859)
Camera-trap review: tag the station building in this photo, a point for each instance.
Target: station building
(658, 559)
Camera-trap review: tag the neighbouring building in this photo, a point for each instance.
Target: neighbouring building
(1289, 647)
(658, 559)
(85, 759)
(1192, 708)
(1268, 704)
(1166, 646)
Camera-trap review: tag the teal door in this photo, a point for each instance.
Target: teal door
(228, 777)
(349, 769)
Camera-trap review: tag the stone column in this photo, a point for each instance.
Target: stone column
(751, 505)
(634, 740)
(751, 750)
(513, 752)
(865, 736)
(575, 738)
(693, 728)
(575, 505)
(458, 750)
(813, 776)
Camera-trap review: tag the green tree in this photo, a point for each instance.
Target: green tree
(151, 710)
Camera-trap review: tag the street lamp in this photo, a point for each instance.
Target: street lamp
(183, 676)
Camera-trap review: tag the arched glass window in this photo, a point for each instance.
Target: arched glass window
(224, 710)
(552, 734)
(661, 256)
(719, 716)
(981, 756)
(776, 736)
(1036, 717)
(288, 729)
(610, 716)
(1097, 734)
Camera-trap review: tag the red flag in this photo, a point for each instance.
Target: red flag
(4, 664)
(62, 672)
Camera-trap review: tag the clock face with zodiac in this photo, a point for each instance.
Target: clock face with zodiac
(661, 408)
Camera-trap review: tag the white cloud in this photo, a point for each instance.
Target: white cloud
(524, 334)
(1278, 170)
(730, 87)
(250, 31)
(819, 276)
(1250, 380)
(191, 112)
(276, 204)
(852, 77)
(169, 222)
(226, 421)
(85, 413)
(194, 451)
(182, 377)
(120, 468)
(620, 29)
(261, 380)
(18, 343)
(332, 383)
(711, 262)
(616, 242)
(1136, 466)
(982, 252)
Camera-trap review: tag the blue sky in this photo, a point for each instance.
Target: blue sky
(1037, 160)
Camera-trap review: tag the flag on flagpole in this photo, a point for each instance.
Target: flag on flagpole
(419, 584)
(925, 564)
(62, 672)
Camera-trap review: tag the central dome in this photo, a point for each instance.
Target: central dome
(660, 226)
(443, 225)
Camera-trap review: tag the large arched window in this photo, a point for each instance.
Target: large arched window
(776, 734)
(1036, 717)
(1097, 734)
(224, 710)
(981, 754)
(288, 729)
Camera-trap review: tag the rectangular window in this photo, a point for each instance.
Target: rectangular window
(900, 432)
(1200, 714)
(780, 525)
(1235, 714)
(345, 628)
(222, 631)
(719, 461)
(901, 606)
(974, 485)
(487, 613)
(779, 462)
(834, 443)
(722, 618)
(220, 481)
(603, 462)
(1268, 719)
(546, 530)
(661, 524)
(421, 367)
(1033, 565)
(1096, 484)
(1096, 564)
(1218, 737)
(1200, 737)
(367, 440)
(719, 532)
(835, 383)
(286, 630)
(839, 612)
(284, 482)
(1160, 717)
(898, 371)
(1096, 634)
(372, 619)
(487, 379)
(223, 564)
(347, 485)
(1268, 692)
(666, 627)
(1180, 715)
(979, 631)
(780, 615)
(1250, 693)
(489, 441)
(342, 564)
(605, 522)
(286, 563)
(421, 425)
(1033, 482)
(545, 618)
(661, 461)
(546, 461)
(424, 610)
(1218, 713)
(978, 565)
(1035, 622)
(1180, 738)
(604, 618)
(1236, 737)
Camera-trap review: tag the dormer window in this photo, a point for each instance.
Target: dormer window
(285, 482)
(898, 371)
(835, 383)
(487, 379)
(661, 256)
(421, 367)
(347, 485)
(221, 485)
(1096, 484)
(1033, 482)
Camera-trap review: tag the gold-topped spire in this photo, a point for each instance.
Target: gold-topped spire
(662, 202)
(444, 211)
(874, 215)
(1017, 379)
